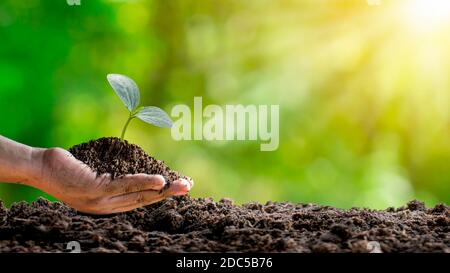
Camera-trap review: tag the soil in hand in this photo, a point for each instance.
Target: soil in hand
(118, 157)
(185, 224)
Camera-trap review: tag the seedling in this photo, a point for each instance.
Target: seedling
(128, 92)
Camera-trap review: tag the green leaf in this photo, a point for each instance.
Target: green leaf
(155, 116)
(126, 89)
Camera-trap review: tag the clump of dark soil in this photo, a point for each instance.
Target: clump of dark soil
(118, 157)
(184, 224)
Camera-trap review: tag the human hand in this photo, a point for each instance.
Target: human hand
(61, 175)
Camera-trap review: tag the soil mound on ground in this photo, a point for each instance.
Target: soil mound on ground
(185, 224)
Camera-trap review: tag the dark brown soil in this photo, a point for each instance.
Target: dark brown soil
(118, 157)
(184, 224)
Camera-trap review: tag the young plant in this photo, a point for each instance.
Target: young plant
(128, 92)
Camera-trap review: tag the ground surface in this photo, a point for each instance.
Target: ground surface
(192, 225)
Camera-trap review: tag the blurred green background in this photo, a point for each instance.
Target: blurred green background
(363, 90)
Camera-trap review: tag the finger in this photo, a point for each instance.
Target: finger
(144, 197)
(191, 182)
(178, 187)
(135, 206)
(129, 201)
(135, 183)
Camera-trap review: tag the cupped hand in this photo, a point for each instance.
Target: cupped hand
(74, 183)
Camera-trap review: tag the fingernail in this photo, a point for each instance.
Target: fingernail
(186, 184)
(161, 178)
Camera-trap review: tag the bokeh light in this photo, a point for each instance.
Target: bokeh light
(363, 90)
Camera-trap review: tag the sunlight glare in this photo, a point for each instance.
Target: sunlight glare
(427, 15)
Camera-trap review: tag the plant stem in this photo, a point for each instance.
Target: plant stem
(126, 125)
